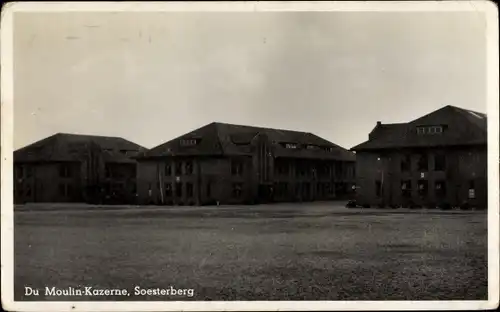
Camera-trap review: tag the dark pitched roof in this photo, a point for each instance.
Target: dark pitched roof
(73, 147)
(228, 139)
(463, 127)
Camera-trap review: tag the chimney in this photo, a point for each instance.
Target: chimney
(379, 123)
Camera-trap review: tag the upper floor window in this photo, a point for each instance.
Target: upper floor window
(439, 162)
(406, 163)
(64, 171)
(178, 168)
(429, 130)
(168, 169)
(189, 167)
(312, 147)
(236, 167)
(188, 142)
(422, 163)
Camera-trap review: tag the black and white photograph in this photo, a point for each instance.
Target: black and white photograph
(244, 156)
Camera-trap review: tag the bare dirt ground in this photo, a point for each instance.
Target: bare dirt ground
(314, 251)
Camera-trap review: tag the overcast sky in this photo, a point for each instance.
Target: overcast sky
(149, 77)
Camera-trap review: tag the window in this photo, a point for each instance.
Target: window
(440, 187)
(69, 189)
(168, 169)
(429, 130)
(237, 190)
(19, 172)
(188, 142)
(328, 149)
(422, 163)
(189, 189)
(189, 167)
(439, 162)
(378, 188)
(236, 168)
(311, 147)
(178, 189)
(472, 184)
(29, 171)
(178, 168)
(406, 188)
(423, 186)
(168, 189)
(472, 189)
(62, 189)
(329, 189)
(209, 189)
(28, 190)
(281, 168)
(406, 163)
(108, 171)
(291, 145)
(64, 171)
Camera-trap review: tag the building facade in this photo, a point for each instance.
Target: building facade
(438, 160)
(76, 168)
(232, 164)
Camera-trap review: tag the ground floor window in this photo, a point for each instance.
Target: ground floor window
(440, 188)
(237, 190)
(168, 189)
(189, 189)
(423, 187)
(472, 189)
(178, 189)
(65, 189)
(209, 189)
(281, 189)
(378, 188)
(406, 188)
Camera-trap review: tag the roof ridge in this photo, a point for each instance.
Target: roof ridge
(259, 127)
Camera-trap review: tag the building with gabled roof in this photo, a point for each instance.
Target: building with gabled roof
(436, 160)
(228, 163)
(76, 168)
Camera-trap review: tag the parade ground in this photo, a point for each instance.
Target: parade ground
(308, 251)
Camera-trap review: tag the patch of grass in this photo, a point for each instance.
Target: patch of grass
(272, 252)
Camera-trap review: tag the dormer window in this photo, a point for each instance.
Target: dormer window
(429, 130)
(328, 149)
(291, 145)
(188, 142)
(312, 147)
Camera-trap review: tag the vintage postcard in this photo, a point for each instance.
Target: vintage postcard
(250, 156)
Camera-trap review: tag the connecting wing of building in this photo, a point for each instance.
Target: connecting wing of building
(439, 159)
(76, 168)
(229, 164)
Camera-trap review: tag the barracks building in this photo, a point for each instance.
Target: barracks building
(76, 168)
(234, 164)
(439, 159)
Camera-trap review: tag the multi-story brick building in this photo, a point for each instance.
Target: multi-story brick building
(76, 168)
(232, 164)
(436, 160)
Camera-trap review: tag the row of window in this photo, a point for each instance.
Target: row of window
(323, 171)
(423, 162)
(307, 146)
(177, 168)
(168, 189)
(429, 130)
(422, 187)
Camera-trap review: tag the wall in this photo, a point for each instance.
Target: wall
(462, 165)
